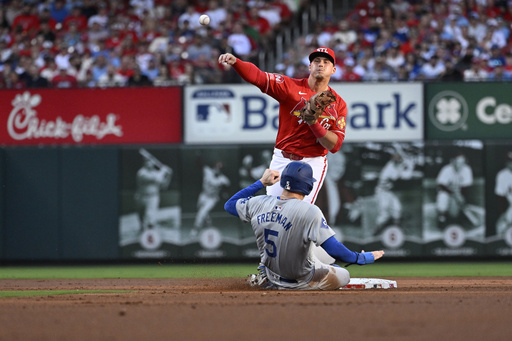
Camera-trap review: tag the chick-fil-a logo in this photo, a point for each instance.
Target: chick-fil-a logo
(23, 123)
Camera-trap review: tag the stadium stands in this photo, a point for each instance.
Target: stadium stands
(93, 43)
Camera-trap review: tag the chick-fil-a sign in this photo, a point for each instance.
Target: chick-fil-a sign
(91, 116)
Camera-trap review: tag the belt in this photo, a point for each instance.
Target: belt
(291, 156)
(287, 280)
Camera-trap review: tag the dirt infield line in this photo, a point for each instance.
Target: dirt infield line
(472, 308)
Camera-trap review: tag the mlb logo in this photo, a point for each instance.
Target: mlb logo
(278, 208)
(219, 112)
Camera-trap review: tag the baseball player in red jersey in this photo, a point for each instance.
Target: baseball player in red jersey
(297, 139)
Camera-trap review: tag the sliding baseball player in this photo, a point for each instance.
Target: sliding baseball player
(287, 228)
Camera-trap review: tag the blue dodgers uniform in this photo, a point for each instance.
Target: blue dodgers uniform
(286, 230)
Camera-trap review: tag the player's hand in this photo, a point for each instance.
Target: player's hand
(270, 177)
(227, 59)
(376, 254)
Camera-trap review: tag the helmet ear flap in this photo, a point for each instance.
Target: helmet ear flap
(310, 187)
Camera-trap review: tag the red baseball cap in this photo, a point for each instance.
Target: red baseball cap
(323, 52)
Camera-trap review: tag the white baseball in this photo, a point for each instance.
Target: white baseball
(204, 20)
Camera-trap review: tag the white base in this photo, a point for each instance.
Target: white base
(370, 283)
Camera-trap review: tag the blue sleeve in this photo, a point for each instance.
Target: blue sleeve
(340, 252)
(230, 205)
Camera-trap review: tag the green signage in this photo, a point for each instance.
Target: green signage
(477, 110)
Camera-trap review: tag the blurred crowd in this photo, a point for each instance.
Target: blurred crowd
(113, 43)
(414, 40)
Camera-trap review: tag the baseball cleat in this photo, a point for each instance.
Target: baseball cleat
(260, 279)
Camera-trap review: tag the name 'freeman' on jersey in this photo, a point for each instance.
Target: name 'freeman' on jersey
(274, 217)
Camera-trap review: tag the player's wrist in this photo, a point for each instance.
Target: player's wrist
(318, 130)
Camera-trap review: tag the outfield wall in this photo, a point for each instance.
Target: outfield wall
(68, 199)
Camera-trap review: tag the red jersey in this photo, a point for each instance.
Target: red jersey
(79, 20)
(294, 135)
(26, 22)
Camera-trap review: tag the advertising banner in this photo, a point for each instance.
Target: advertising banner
(90, 116)
(207, 230)
(498, 163)
(150, 203)
(341, 198)
(243, 114)
(475, 110)
(2, 194)
(391, 175)
(454, 198)
(254, 159)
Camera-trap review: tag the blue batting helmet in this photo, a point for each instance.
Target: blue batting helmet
(297, 176)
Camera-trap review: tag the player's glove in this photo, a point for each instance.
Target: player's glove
(316, 106)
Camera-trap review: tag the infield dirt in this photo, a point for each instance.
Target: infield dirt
(477, 308)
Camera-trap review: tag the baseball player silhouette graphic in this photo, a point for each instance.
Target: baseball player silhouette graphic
(287, 227)
(503, 192)
(299, 138)
(213, 182)
(151, 179)
(249, 172)
(336, 170)
(389, 207)
(453, 181)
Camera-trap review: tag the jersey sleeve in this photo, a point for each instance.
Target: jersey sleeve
(341, 116)
(280, 86)
(252, 74)
(248, 207)
(242, 208)
(319, 230)
(246, 193)
(273, 84)
(340, 122)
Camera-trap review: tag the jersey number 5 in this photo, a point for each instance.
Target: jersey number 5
(270, 243)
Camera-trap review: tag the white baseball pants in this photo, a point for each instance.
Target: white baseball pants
(319, 165)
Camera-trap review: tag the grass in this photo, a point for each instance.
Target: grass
(127, 271)
(382, 269)
(433, 269)
(379, 270)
